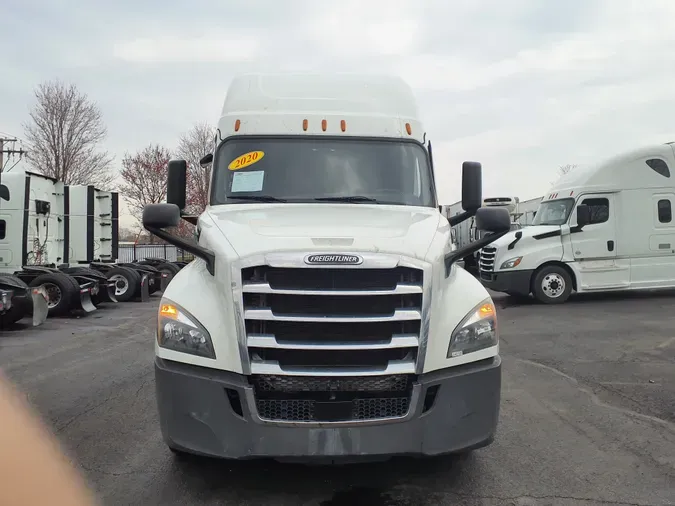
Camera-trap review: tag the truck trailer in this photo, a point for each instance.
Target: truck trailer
(604, 227)
(324, 317)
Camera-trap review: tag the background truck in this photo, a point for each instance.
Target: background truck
(64, 239)
(324, 316)
(466, 232)
(605, 227)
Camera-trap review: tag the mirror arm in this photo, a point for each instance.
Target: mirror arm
(453, 256)
(205, 254)
(456, 220)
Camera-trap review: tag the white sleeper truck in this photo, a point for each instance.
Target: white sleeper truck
(323, 317)
(605, 227)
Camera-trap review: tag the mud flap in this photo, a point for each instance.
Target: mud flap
(85, 298)
(40, 307)
(108, 293)
(145, 288)
(166, 279)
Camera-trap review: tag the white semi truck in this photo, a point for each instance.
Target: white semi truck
(466, 232)
(324, 317)
(605, 227)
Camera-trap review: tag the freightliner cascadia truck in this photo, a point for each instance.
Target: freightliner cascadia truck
(324, 317)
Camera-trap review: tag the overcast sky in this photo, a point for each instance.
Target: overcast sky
(522, 86)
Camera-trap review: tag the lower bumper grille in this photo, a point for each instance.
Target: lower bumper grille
(309, 410)
(321, 399)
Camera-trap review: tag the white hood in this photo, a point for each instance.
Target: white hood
(527, 232)
(260, 228)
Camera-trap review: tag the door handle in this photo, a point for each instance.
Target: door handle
(610, 245)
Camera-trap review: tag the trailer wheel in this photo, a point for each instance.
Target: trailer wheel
(15, 313)
(61, 291)
(552, 284)
(169, 268)
(94, 274)
(127, 282)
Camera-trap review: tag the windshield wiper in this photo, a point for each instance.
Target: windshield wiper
(349, 198)
(257, 198)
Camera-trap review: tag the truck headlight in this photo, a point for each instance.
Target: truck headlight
(478, 330)
(511, 263)
(178, 330)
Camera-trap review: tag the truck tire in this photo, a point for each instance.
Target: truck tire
(128, 282)
(552, 284)
(62, 290)
(169, 268)
(15, 313)
(94, 274)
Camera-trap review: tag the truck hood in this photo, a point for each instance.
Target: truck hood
(527, 232)
(261, 228)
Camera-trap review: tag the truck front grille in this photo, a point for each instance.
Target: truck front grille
(486, 263)
(332, 344)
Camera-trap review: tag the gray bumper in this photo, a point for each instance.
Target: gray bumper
(197, 415)
(515, 282)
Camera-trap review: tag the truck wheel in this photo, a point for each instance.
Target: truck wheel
(16, 312)
(61, 290)
(169, 268)
(127, 282)
(91, 273)
(552, 285)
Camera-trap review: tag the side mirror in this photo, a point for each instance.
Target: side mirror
(161, 215)
(157, 217)
(472, 186)
(493, 219)
(206, 159)
(583, 215)
(176, 183)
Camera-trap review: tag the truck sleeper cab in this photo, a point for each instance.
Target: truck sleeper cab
(606, 227)
(324, 317)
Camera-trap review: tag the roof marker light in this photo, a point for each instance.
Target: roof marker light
(305, 123)
(324, 125)
(408, 128)
(237, 124)
(343, 125)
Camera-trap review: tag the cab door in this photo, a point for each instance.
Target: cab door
(597, 240)
(594, 247)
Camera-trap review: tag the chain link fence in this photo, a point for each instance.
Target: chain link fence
(169, 252)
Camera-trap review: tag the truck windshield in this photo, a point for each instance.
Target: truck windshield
(553, 212)
(322, 170)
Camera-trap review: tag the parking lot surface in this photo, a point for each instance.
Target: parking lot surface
(587, 417)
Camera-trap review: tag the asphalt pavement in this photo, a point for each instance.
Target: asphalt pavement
(587, 416)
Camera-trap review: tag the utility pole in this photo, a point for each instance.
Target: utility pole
(19, 152)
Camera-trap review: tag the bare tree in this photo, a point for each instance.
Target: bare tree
(144, 177)
(64, 135)
(565, 169)
(192, 146)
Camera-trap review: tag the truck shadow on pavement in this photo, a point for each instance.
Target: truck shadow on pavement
(396, 482)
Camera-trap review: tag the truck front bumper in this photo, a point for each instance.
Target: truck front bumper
(199, 413)
(513, 282)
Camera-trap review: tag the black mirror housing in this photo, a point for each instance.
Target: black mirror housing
(493, 219)
(472, 186)
(583, 215)
(161, 215)
(206, 159)
(176, 183)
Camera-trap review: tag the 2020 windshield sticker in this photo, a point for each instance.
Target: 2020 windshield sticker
(248, 181)
(246, 159)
